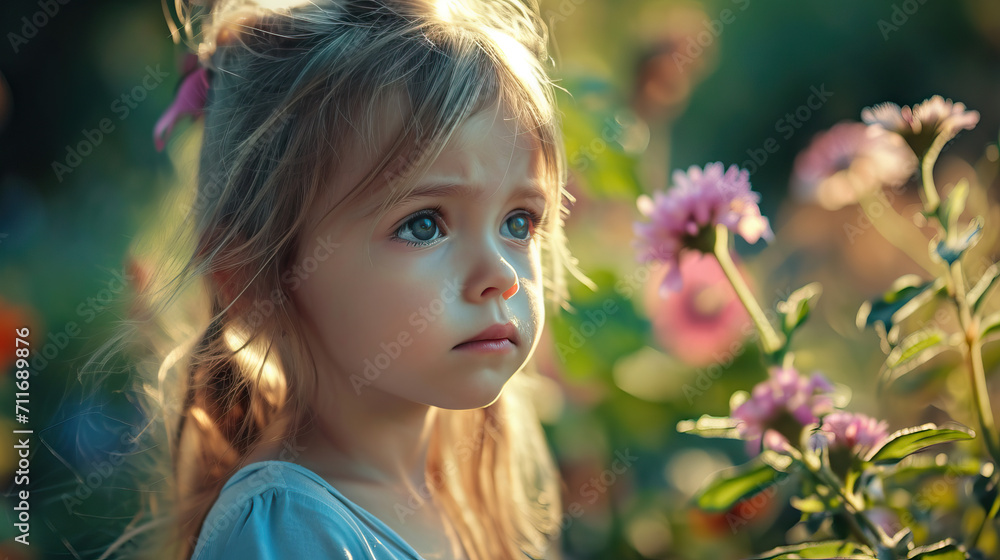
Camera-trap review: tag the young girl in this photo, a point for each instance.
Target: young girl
(376, 232)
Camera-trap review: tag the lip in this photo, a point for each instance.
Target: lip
(495, 334)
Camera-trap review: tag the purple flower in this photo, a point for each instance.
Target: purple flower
(685, 216)
(189, 100)
(705, 320)
(944, 116)
(850, 160)
(926, 120)
(856, 432)
(780, 406)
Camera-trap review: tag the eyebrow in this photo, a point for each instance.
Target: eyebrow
(463, 190)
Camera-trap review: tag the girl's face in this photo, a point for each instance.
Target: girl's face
(384, 314)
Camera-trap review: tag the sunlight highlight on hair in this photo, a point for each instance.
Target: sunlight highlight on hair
(258, 365)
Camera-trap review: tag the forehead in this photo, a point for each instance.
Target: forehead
(491, 148)
(488, 149)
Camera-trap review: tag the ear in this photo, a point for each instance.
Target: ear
(230, 281)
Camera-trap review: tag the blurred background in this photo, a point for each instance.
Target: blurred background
(650, 87)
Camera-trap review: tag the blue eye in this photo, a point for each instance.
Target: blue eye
(423, 225)
(523, 225)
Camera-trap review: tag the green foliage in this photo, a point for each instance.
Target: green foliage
(710, 426)
(793, 312)
(943, 550)
(978, 294)
(955, 244)
(595, 122)
(953, 207)
(914, 351)
(737, 483)
(827, 549)
(911, 440)
(907, 294)
(604, 326)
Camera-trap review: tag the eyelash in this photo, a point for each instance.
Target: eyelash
(537, 221)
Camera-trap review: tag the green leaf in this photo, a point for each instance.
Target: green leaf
(907, 294)
(984, 487)
(597, 126)
(990, 326)
(777, 461)
(914, 345)
(977, 295)
(812, 504)
(734, 484)
(710, 426)
(952, 208)
(941, 550)
(910, 440)
(795, 310)
(915, 350)
(603, 326)
(825, 549)
(955, 244)
(917, 467)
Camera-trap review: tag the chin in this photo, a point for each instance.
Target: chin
(473, 395)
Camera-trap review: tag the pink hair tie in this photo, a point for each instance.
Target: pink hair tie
(189, 100)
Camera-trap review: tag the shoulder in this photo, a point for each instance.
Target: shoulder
(274, 509)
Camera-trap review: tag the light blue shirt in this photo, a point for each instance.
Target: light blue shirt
(275, 509)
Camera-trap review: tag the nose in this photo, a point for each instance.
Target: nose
(490, 275)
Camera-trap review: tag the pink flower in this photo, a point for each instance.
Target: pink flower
(926, 120)
(944, 116)
(850, 160)
(189, 100)
(685, 216)
(780, 406)
(856, 432)
(704, 322)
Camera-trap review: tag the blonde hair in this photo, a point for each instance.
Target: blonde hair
(293, 86)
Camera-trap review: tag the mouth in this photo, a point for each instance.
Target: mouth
(495, 337)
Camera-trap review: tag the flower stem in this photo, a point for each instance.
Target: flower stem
(969, 323)
(853, 511)
(974, 539)
(771, 341)
(974, 359)
(898, 231)
(931, 198)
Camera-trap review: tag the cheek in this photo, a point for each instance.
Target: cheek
(356, 306)
(533, 286)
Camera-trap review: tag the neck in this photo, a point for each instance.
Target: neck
(371, 438)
